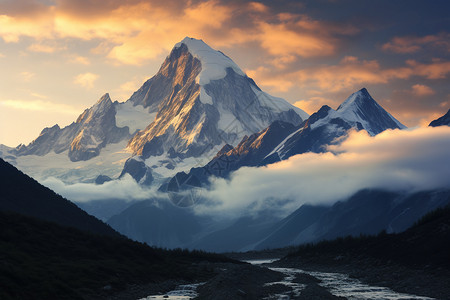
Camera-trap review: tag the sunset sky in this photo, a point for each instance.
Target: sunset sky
(58, 57)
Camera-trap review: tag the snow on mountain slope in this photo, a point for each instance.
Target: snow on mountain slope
(360, 111)
(109, 163)
(202, 101)
(197, 102)
(361, 108)
(280, 141)
(214, 63)
(135, 117)
(84, 139)
(94, 145)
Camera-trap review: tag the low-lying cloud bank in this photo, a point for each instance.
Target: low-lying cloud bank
(125, 189)
(396, 160)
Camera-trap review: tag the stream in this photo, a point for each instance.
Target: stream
(336, 283)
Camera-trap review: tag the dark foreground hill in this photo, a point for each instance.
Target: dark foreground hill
(22, 194)
(43, 260)
(415, 261)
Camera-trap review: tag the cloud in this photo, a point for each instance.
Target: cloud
(27, 76)
(12, 28)
(277, 84)
(411, 44)
(397, 160)
(312, 104)
(39, 105)
(127, 88)
(86, 80)
(76, 59)
(422, 90)
(137, 31)
(126, 189)
(45, 48)
(280, 40)
(435, 70)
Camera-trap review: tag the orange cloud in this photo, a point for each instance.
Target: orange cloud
(351, 73)
(12, 28)
(422, 90)
(27, 76)
(412, 44)
(434, 70)
(278, 84)
(86, 80)
(45, 47)
(79, 60)
(258, 7)
(131, 32)
(313, 104)
(278, 39)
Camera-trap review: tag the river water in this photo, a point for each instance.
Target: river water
(336, 283)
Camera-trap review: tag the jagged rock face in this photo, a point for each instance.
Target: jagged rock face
(176, 76)
(442, 121)
(138, 170)
(193, 118)
(249, 152)
(84, 139)
(168, 92)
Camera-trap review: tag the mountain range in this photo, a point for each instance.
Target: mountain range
(198, 101)
(282, 140)
(201, 117)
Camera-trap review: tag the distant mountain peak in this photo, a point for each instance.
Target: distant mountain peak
(361, 108)
(444, 120)
(356, 99)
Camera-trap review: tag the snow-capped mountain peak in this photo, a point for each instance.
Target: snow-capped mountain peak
(197, 102)
(362, 112)
(214, 63)
(356, 99)
(100, 107)
(203, 101)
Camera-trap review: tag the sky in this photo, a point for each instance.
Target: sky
(58, 57)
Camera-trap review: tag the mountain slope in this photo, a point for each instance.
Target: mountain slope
(280, 140)
(24, 195)
(197, 102)
(42, 260)
(366, 212)
(158, 223)
(93, 130)
(444, 120)
(414, 261)
(360, 111)
(251, 151)
(203, 99)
